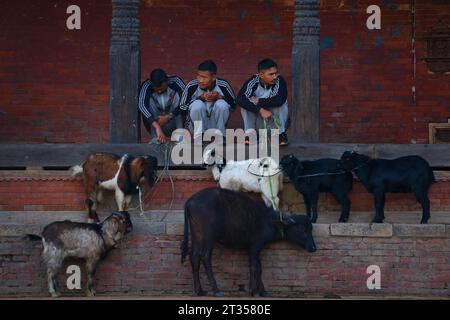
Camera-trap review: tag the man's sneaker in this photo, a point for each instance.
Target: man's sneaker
(249, 141)
(283, 139)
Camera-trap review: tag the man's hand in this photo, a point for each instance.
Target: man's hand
(265, 113)
(161, 136)
(163, 120)
(254, 99)
(211, 96)
(159, 133)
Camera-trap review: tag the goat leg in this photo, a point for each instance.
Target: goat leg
(314, 204)
(120, 200)
(379, 198)
(91, 201)
(307, 205)
(424, 201)
(92, 211)
(344, 201)
(91, 266)
(53, 267)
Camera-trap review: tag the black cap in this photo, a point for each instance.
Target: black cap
(157, 77)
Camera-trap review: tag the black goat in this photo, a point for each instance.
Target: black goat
(323, 175)
(237, 221)
(401, 175)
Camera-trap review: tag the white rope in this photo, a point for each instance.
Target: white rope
(167, 150)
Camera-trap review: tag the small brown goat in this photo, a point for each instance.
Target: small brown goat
(123, 175)
(89, 241)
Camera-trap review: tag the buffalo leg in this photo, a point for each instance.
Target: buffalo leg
(256, 284)
(208, 267)
(195, 262)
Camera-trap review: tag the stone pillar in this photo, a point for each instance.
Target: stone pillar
(124, 72)
(305, 111)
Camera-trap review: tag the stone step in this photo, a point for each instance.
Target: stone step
(14, 224)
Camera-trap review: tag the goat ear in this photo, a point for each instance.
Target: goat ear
(298, 167)
(153, 161)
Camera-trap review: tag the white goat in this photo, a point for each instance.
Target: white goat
(252, 175)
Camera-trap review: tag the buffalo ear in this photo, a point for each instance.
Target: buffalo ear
(285, 222)
(289, 221)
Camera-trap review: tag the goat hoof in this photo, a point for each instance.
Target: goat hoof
(218, 294)
(263, 294)
(201, 293)
(90, 293)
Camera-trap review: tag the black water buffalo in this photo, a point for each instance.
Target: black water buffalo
(404, 174)
(237, 221)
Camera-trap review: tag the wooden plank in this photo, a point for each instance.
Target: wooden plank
(64, 155)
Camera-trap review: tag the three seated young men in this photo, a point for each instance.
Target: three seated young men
(208, 100)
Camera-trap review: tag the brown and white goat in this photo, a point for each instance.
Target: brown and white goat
(123, 175)
(89, 241)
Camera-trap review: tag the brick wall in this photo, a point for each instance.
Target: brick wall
(53, 192)
(367, 76)
(414, 261)
(54, 82)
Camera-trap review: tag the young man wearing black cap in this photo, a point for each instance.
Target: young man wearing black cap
(209, 100)
(159, 104)
(264, 96)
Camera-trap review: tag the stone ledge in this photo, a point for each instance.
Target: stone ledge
(16, 224)
(421, 230)
(321, 230)
(18, 230)
(376, 230)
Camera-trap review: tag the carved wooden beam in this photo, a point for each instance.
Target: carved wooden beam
(305, 111)
(124, 72)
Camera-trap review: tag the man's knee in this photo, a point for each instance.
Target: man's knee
(197, 107)
(221, 105)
